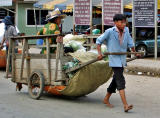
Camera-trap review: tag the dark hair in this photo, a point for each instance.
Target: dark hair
(118, 17)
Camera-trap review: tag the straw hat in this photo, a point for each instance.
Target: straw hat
(54, 14)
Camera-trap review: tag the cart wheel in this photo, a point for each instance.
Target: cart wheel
(36, 84)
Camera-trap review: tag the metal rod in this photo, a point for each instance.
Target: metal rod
(102, 16)
(133, 23)
(91, 17)
(73, 16)
(155, 18)
(35, 19)
(122, 8)
(8, 10)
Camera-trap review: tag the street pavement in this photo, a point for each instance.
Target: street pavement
(141, 91)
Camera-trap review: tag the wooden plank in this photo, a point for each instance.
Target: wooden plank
(22, 58)
(41, 46)
(27, 60)
(35, 56)
(8, 58)
(48, 60)
(37, 64)
(92, 44)
(57, 60)
(34, 37)
(13, 60)
(62, 63)
(122, 53)
(44, 71)
(91, 36)
(23, 81)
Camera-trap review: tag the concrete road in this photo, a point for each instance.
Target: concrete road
(142, 92)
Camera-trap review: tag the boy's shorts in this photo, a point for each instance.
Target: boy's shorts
(118, 81)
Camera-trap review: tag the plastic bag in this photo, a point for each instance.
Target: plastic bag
(1, 31)
(71, 37)
(75, 45)
(103, 48)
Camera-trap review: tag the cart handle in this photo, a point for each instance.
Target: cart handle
(96, 59)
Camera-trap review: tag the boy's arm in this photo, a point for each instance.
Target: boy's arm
(99, 41)
(103, 37)
(131, 44)
(99, 51)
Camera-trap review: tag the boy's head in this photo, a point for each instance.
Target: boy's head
(120, 21)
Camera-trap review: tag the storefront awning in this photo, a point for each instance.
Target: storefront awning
(52, 4)
(64, 5)
(4, 3)
(67, 5)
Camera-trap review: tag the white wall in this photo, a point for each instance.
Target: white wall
(68, 24)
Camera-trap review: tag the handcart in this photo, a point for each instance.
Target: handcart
(44, 72)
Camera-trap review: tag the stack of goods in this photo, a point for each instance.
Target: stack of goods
(73, 43)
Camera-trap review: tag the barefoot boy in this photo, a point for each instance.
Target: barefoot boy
(117, 39)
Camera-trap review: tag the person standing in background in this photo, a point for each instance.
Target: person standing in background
(10, 30)
(54, 20)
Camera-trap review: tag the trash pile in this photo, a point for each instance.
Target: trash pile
(74, 44)
(73, 63)
(87, 79)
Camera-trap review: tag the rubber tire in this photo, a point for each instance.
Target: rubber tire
(144, 49)
(42, 84)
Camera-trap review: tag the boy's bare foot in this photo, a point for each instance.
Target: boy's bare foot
(107, 103)
(127, 108)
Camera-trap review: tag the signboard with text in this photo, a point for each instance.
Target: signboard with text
(82, 12)
(110, 8)
(144, 13)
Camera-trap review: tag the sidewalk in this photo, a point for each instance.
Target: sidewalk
(150, 67)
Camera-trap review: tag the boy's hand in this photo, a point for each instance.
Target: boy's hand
(100, 57)
(138, 55)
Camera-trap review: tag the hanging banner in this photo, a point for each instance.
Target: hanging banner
(109, 9)
(5, 3)
(82, 12)
(144, 13)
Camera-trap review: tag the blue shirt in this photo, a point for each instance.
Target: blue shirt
(110, 36)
